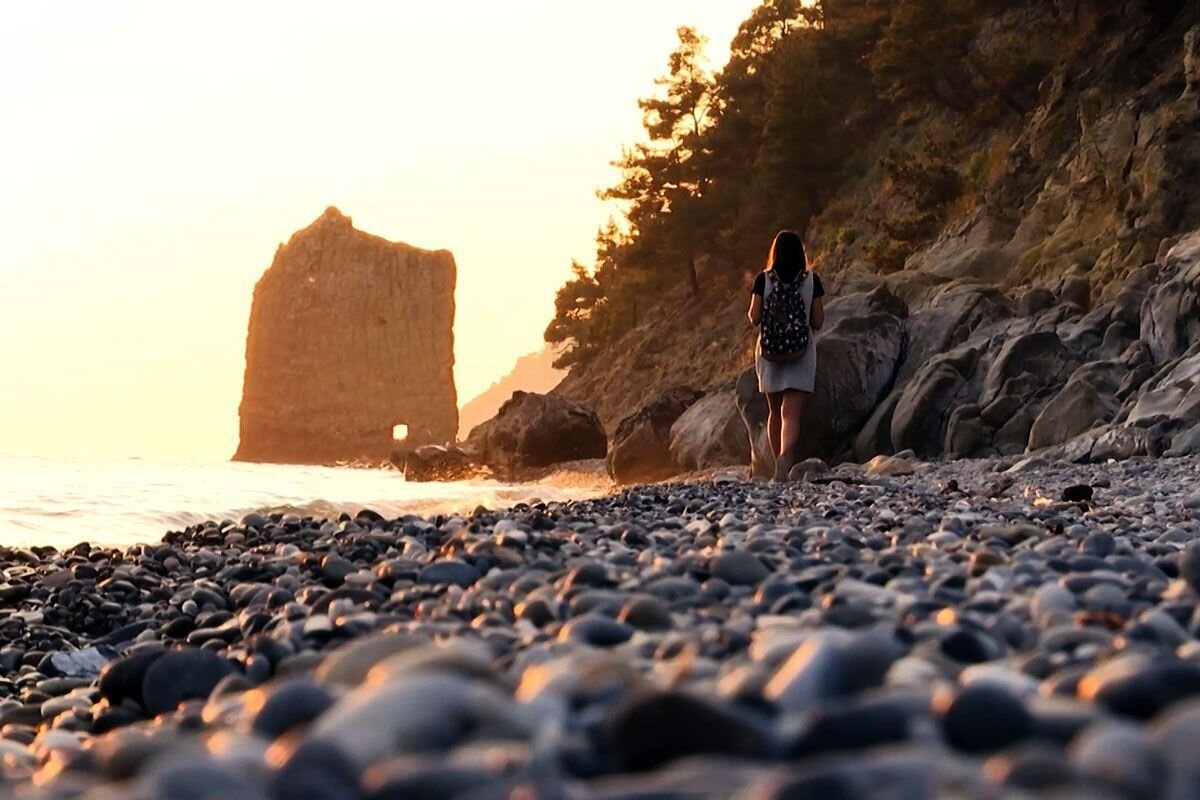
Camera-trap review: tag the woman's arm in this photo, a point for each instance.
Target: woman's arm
(817, 318)
(755, 312)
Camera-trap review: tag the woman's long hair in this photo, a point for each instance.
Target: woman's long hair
(787, 254)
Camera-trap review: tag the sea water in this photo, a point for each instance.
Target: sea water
(61, 502)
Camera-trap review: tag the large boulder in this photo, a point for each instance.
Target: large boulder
(935, 351)
(1086, 401)
(433, 462)
(1116, 442)
(922, 413)
(538, 430)
(1076, 290)
(710, 434)
(1038, 359)
(1173, 393)
(1161, 409)
(1003, 375)
(878, 300)
(973, 248)
(752, 408)
(1170, 318)
(955, 313)
(875, 437)
(1185, 443)
(967, 434)
(641, 446)
(857, 360)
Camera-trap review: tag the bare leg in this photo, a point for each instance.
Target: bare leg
(775, 420)
(789, 435)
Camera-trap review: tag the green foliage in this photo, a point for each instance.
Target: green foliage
(887, 254)
(925, 179)
(728, 158)
(575, 306)
(925, 175)
(975, 173)
(665, 180)
(922, 53)
(803, 148)
(678, 117)
(810, 89)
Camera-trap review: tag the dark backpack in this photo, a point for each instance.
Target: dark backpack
(784, 334)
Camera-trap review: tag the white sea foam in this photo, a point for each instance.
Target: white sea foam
(62, 502)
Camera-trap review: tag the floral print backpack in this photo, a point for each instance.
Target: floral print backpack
(784, 333)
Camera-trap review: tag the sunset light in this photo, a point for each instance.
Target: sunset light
(535, 399)
(155, 156)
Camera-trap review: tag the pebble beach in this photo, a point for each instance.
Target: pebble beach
(989, 628)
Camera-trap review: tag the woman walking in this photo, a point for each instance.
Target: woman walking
(786, 306)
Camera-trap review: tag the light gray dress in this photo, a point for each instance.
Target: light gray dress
(800, 374)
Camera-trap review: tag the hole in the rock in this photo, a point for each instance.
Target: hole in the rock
(400, 433)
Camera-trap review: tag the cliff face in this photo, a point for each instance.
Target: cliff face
(350, 335)
(703, 344)
(1090, 179)
(1101, 172)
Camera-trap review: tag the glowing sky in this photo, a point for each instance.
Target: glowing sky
(153, 155)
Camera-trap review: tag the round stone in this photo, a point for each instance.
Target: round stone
(406, 777)
(1030, 766)
(424, 711)
(1189, 565)
(1078, 493)
(982, 718)
(124, 677)
(256, 521)
(967, 647)
(588, 574)
(536, 611)
(181, 675)
(830, 664)
(334, 569)
(739, 568)
(1120, 756)
(190, 778)
(856, 724)
(1099, 544)
(450, 570)
(288, 705)
(596, 630)
(660, 727)
(1138, 686)
(315, 770)
(646, 613)
(349, 665)
(1051, 602)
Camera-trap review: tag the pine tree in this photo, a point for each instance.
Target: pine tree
(663, 180)
(922, 53)
(575, 305)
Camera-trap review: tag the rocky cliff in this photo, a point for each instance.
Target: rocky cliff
(350, 335)
(1039, 295)
(1102, 170)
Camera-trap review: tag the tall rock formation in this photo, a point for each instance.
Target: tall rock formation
(350, 335)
